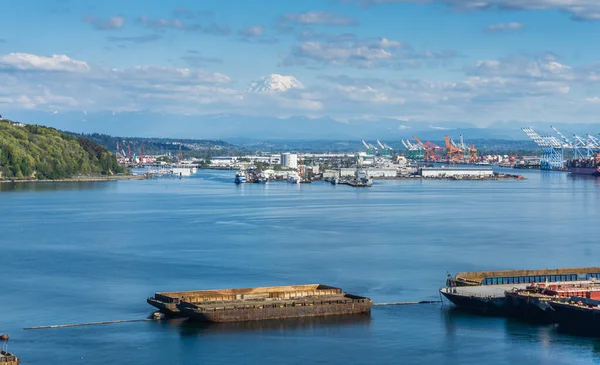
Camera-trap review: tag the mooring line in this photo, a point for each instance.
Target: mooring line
(87, 324)
(407, 303)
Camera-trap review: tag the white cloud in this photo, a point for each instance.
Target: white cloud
(317, 18)
(579, 9)
(349, 50)
(26, 61)
(163, 24)
(520, 87)
(503, 27)
(255, 31)
(114, 22)
(521, 66)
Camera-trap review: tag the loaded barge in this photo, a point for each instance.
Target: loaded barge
(251, 304)
(578, 315)
(6, 358)
(534, 303)
(485, 292)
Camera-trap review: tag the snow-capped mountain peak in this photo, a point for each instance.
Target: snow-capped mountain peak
(275, 82)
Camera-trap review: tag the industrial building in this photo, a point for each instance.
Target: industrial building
(330, 174)
(375, 172)
(446, 172)
(289, 160)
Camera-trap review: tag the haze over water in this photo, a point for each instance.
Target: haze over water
(73, 253)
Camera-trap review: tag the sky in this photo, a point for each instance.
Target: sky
(429, 61)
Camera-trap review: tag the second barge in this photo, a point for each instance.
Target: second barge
(578, 315)
(250, 304)
(484, 292)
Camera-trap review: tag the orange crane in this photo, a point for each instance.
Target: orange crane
(472, 154)
(453, 153)
(430, 150)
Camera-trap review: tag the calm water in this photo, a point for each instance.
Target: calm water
(74, 253)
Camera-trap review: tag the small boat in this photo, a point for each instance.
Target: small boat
(240, 177)
(293, 178)
(262, 178)
(335, 181)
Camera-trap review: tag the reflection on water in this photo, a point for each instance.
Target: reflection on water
(518, 332)
(50, 186)
(577, 177)
(98, 249)
(192, 328)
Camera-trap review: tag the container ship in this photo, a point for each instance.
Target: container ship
(485, 292)
(251, 304)
(590, 166)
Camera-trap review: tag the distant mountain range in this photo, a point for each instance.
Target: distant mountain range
(233, 128)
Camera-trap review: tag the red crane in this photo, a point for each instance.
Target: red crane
(430, 150)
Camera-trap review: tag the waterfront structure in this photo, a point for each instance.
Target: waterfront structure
(458, 172)
(330, 174)
(289, 160)
(374, 172)
(553, 150)
(347, 172)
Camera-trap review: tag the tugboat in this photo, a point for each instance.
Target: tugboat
(240, 177)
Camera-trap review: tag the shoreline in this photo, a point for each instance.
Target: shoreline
(77, 179)
(416, 177)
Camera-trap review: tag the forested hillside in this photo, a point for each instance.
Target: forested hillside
(36, 152)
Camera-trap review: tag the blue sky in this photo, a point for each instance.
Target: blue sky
(430, 61)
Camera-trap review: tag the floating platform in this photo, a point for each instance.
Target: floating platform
(252, 304)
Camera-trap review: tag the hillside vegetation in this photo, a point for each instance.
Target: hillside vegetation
(201, 148)
(36, 152)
